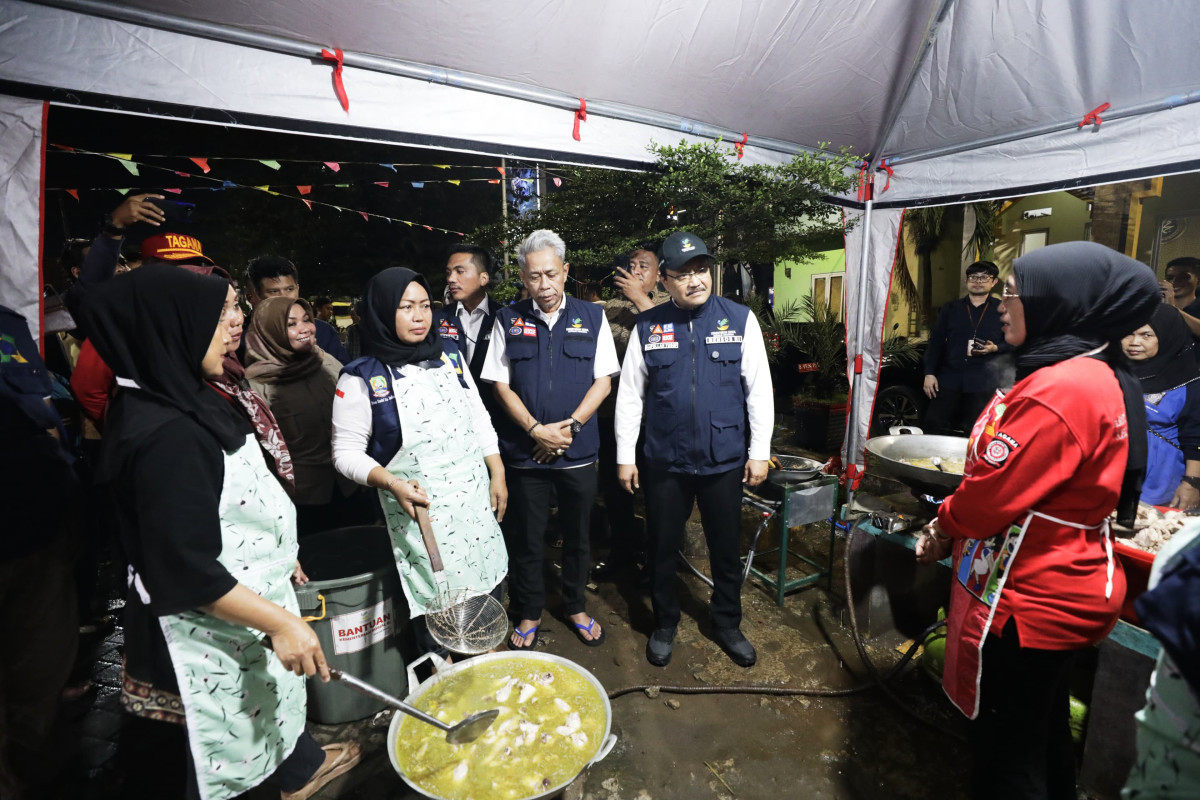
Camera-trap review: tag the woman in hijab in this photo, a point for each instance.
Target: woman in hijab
(297, 379)
(209, 536)
(408, 421)
(1033, 576)
(1162, 356)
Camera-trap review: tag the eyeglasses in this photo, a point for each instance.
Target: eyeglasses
(982, 276)
(1007, 295)
(686, 277)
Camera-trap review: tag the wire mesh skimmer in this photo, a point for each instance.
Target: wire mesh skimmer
(461, 620)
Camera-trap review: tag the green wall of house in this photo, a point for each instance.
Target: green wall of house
(796, 285)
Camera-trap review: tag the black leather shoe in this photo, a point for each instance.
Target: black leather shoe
(658, 649)
(736, 646)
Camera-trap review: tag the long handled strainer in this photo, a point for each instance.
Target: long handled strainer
(460, 620)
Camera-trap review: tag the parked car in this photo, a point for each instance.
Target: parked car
(900, 398)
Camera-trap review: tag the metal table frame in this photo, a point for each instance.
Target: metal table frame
(801, 504)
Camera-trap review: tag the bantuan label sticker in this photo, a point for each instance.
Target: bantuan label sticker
(358, 630)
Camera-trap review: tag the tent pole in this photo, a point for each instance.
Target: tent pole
(860, 329)
(914, 69)
(424, 73)
(1166, 104)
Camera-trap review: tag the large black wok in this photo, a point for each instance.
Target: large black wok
(884, 454)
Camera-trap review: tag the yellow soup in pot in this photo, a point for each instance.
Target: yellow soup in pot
(550, 725)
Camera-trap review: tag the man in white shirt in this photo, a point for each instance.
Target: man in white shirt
(468, 274)
(698, 368)
(551, 360)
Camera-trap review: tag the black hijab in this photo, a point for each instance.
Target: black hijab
(1174, 364)
(154, 326)
(1078, 296)
(378, 314)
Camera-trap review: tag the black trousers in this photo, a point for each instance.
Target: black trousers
(670, 497)
(529, 492)
(626, 540)
(1021, 741)
(954, 410)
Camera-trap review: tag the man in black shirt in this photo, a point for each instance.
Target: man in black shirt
(961, 372)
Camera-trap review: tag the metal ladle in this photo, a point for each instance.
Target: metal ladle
(937, 462)
(464, 732)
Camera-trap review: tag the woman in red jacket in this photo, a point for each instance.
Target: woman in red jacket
(1034, 577)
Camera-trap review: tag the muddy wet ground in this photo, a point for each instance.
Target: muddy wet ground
(861, 746)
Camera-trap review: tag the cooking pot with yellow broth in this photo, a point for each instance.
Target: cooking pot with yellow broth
(554, 722)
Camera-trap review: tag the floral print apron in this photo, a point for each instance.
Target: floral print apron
(244, 709)
(441, 452)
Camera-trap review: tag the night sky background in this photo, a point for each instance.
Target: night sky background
(335, 251)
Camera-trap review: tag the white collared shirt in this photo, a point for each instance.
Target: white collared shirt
(472, 322)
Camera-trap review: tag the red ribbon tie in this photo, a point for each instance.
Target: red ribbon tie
(883, 165)
(1093, 116)
(336, 57)
(580, 116)
(741, 146)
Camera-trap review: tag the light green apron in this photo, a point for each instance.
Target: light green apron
(441, 452)
(244, 709)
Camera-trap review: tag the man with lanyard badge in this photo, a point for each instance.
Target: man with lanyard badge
(698, 367)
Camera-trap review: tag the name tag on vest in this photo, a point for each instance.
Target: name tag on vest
(660, 346)
(723, 338)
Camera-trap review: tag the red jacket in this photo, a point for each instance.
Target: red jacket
(92, 382)
(1057, 443)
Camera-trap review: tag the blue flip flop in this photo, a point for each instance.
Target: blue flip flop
(579, 629)
(525, 635)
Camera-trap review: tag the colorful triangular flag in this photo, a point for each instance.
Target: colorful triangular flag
(384, 184)
(392, 167)
(202, 163)
(333, 165)
(174, 191)
(456, 183)
(418, 184)
(123, 191)
(129, 165)
(73, 192)
(501, 171)
(307, 203)
(304, 189)
(558, 181)
(364, 216)
(270, 162)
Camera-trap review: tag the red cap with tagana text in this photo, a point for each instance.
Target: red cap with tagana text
(173, 247)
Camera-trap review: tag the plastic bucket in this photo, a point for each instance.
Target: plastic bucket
(355, 595)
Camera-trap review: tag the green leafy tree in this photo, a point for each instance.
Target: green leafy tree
(743, 212)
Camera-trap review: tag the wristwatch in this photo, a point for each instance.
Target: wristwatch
(110, 228)
(576, 426)
(1192, 481)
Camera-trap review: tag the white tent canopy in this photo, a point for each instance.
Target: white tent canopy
(961, 100)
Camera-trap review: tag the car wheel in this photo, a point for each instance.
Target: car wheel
(897, 405)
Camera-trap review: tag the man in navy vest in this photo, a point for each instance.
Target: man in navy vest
(698, 368)
(551, 360)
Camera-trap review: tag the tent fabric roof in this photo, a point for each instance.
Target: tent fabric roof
(949, 74)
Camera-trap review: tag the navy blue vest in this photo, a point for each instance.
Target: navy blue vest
(695, 403)
(551, 371)
(386, 436)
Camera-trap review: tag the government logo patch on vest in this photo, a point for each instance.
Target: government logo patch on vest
(379, 387)
(448, 330)
(576, 326)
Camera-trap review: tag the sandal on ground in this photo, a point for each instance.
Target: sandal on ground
(525, 635)
(582, 629)
(346, 756)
